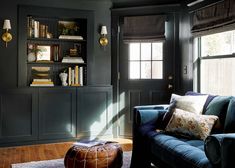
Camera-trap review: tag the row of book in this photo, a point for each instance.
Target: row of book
(36, 29)
(76, 76)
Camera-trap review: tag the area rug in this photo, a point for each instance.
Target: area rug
(59, 163)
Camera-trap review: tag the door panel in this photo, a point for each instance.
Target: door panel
(133, 92)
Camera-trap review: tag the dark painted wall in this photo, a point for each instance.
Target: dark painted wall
(101, 63)
(186, 53)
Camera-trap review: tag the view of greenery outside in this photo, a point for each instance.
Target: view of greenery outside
(217, 75)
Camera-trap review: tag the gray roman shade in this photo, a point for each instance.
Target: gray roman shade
(213, 19)
(144, 28)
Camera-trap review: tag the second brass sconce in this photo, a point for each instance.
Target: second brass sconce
(6, 37)
(103, 39)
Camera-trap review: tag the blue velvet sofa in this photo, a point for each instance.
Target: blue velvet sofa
(167, 150)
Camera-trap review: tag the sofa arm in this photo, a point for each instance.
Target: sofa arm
(152, 107)
(220, 149)
(145, 121)
(143, 114)
(146, 116)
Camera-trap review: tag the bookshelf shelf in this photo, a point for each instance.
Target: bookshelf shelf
(55, 63)
(55, 40)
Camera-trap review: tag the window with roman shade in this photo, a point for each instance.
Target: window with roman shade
(213, 28)
(216, 18)
(144, 28)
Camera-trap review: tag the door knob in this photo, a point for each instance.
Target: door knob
(170, 86)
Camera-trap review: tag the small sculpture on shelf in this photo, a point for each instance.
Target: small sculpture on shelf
(63, 78)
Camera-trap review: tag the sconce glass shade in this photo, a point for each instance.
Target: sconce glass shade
(7, 24)
(103, 30)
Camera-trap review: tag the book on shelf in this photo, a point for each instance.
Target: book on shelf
(36, 29)
(41, 84)
(75, 76)
(81, 75)
(72, 60)
(70, 37)
(42, 80)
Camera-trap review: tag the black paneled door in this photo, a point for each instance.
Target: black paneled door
(145, 74)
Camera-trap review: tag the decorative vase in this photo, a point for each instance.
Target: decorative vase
(31, 57)
(63, 78)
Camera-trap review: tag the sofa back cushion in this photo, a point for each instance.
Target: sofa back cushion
(209, 98)
(218, 106)
(190, 103)
(229, 125)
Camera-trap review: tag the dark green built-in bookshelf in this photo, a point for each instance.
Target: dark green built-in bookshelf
(50, 18)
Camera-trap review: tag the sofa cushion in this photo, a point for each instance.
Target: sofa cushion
(218, 106)
(167, 116)
(179, 152)
(193, 104)
(190, 124)
(229, 125)
(208, 100)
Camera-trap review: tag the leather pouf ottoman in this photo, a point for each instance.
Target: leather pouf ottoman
(108, 155)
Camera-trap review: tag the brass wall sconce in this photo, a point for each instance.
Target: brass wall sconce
(103, 38)
(6, 37)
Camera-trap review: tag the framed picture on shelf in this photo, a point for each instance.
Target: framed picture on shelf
(68, 28)
(43, 53)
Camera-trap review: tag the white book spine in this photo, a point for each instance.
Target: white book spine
(36, 29)
(81, 75)
(69, 76)
(73, 77)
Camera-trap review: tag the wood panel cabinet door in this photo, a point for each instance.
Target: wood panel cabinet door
(94, 112)
(18, 116)
(57, 113)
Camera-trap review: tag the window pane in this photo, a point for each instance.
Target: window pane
(157, 72)
(145, 51)
(157, 51)
(146, 70)
(134, 72)
(218, 76)
(218, 44)
(134, 49)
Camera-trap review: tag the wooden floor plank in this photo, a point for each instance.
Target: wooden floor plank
(10, 155)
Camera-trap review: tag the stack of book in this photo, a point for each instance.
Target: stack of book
(42, 82)
(75, 76)
(68, 59)
(70, 37)
(41, 76)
